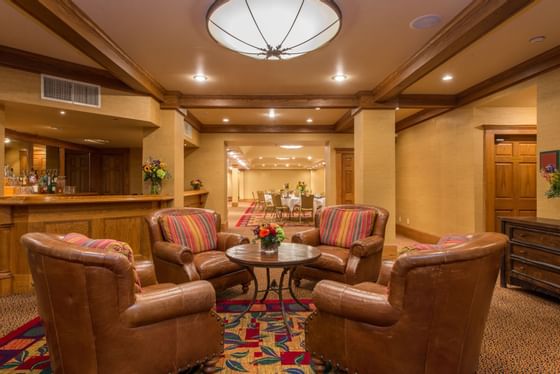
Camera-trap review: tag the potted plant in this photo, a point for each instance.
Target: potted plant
(196, 184)
(270, 236)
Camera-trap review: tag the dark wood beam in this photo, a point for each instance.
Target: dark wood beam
(528, 69)
(344, 123)
(27, 61)
(267, 129)
(426, 101)
(69, 22)
(193, 121)
(478, 18)
(259, 101)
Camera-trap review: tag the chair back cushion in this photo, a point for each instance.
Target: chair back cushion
(106, 245)
(195, 231)
(340, 227)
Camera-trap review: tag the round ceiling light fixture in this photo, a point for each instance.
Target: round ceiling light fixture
(273, 29)
(425, 22)
(200, 77)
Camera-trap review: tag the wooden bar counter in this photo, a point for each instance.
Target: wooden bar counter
(118, 217)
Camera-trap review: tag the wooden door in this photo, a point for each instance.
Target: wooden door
(512, 178)
(344, 176)
(78, 170)
(114, 176)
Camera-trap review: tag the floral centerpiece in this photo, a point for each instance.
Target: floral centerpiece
(196, 184)
(552, 176)
(270, 235)
(301, 187)
(155, 171)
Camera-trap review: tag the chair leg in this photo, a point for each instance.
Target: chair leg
(245, 287)
(297, 281)
(210, 365)
(318, 365)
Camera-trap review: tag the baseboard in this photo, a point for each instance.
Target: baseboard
(419, 236)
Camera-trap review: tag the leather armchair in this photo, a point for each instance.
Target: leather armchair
(178, 264)
(95, 323)
(430, 319)
(356, 264)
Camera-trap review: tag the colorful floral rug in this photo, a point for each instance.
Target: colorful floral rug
(258, 343)
(252, 217)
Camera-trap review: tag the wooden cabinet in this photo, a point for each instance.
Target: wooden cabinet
(532, 258)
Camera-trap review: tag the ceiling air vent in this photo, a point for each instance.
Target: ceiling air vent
(69, 91)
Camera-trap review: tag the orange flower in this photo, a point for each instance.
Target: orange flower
(264, 233)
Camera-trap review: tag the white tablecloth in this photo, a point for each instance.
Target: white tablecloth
(292, 201)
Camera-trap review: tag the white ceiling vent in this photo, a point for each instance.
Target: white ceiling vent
(69, 91)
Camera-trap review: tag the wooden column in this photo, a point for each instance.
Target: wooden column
(6, 277)
(374, 163)
(234, 187)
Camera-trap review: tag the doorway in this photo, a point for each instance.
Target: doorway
(511, 173)
(344, 175)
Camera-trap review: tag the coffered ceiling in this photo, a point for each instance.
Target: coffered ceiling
(157, 47)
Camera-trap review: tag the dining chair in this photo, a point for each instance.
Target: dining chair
(261, 202)
(279, 208)
(305, 206)
(269, 206)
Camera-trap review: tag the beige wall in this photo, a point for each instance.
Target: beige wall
(317, 185)
(209, 161)
(440, 181)
(262, 180)
(548, 138)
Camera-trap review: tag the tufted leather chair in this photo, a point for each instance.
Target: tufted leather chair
(178, 264)
(359, 263)
(95, 323)
(428, 318)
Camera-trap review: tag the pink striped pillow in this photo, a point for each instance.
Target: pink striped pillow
(108, 245)
(341, 227)
(194, 231)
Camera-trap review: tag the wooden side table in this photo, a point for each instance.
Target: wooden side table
(288, 257)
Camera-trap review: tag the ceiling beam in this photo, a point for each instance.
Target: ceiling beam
(69, 22)
(344, 123)
(528, 69)
(259, 101)
(267, 129)
(193, 121)
(478, 18)
(27, 61)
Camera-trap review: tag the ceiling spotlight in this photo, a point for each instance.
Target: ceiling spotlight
(225, 120)
(62, 112)
(447, 77)
(397, 108)
(200, 77)
(293, 158)
(96, 141)
(425, 22)
(7, 140)
(273, 29)
(317, 108)
(309, 120)
(309, 157)
(291, 146)
(537, 39)
(287, 165)
(339, 77)
(275, 164)
(260, 157)
(282, 158)
(271, 113)
(263, 165)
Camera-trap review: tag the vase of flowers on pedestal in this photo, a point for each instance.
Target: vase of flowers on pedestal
(155, 171)
(196, 184)
(270, 236)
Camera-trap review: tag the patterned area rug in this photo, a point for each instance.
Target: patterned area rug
(253, 217)
(258, 343)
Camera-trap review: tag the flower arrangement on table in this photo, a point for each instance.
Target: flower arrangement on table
(286, 186)
(301, 187)
(196, 184)
(155, 171)
(270, 235)
(552, 176)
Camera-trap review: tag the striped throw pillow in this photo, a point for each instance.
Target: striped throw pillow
(194, 231)
(107, 245)
(341, 227)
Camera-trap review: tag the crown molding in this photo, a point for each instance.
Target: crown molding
(267, 129)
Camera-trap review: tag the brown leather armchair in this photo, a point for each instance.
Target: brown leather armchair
(359, 263)
(429, 319)
(95, 323)
(178, 264)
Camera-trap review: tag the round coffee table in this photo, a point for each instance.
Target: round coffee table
(288, 257)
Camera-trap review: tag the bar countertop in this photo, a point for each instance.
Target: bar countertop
(78, 199)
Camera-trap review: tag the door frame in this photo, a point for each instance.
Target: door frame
(338, 155)
(490, 132)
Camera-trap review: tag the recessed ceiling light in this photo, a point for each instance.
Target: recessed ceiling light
(7, 140)
(287, 165)
(62, 112)
(271, 113)
(339, 77)
(309, 120)
(282, 158)
(317, 108)
(275, 164)
(291, 146)
(263, 165)
(96, 141)
(447, 77)
(309, 157)
(200, 77)
(53, 128)
(293, 158)
(260, 157)
(537, 39)
(397, 108)
(225, 120)
(425, 21)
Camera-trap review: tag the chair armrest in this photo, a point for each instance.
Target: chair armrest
(174, 253)
(385, 273)
(367, 246)
(146, 272)
(178, 301)
(358, 305)
(228, 239)
(310, 237)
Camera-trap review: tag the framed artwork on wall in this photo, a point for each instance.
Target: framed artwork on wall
(550, 158)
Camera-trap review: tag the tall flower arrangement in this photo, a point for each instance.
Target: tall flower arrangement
(270, 235)
(155, 171)
(301, 187)
(552, 176)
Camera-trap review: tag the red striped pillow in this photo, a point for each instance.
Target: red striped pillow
(194, 231)
(108, 245)
(341, 227)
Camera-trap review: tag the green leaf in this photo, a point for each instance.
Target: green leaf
(283, 346)
(239, 354)
(299, 359)
(235, 366)
(269, 351)
(294, 371)
(230, 336)
(266, 361)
